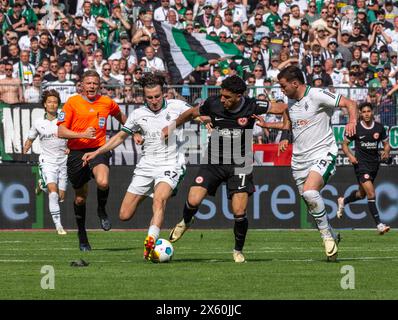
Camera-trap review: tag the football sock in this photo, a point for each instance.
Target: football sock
(189, 212)
(54, 208)
(352, 197)
(316, 207)
(80, 213)
(373, 210)
(240, 231)
(154, 232)
(102, 198)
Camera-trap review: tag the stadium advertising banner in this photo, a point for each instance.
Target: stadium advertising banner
(275, 204)
(17, 119)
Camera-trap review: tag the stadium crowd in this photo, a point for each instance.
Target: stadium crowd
(349, 46)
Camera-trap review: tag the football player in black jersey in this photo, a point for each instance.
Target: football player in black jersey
(229, 157)
(366, 160)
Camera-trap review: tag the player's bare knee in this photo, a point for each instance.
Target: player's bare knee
(124, 215)
(370, 195)
(80, 200)
(194, 201)
(102, 184)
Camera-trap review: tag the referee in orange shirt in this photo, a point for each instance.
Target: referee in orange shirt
(83, 121)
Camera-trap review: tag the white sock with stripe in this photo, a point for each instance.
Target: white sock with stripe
(54, 208)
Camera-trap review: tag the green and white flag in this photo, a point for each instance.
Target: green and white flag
(184, 51)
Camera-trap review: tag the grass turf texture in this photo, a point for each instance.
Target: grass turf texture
(280, 265)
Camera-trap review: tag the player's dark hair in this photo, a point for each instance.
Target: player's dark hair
(235, 84)
(291, 73)
(50, 93)
(90, 73)
(151, 80)
(366, 104)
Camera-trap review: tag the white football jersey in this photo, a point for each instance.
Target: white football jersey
(52, 147)
(156, 151)
(311, 125)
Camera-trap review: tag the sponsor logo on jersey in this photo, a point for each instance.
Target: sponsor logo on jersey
(376, 135)
(199, 179)
(243, 122)
(101, 122)
(61, 116)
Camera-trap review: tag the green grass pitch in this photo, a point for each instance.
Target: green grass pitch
(280, 265)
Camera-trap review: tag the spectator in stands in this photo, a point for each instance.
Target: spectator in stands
(249, 64)
(160, 14)
(13, 53)
(152, 62)
(11, 38)
(46, 48)
(65, 88)
(23, 69)
(69, 72)
(99, 60)
(218, 27)
(142, 37)
(10, 87)
(115, 70)
(378, 37)
(273, 16)
(106, 78)
(127, 53)
(391, 11)
(311, 14)
(206, 19)
(24, 42)
(137, 75)
(15, 21)
(52, 74)
(32, 92)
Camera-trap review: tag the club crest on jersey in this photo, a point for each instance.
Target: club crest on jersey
(306, 106)
(376, 135)
(61, 116)
(168, 116)
(199, 180)
(243, 122)
(101, 122)
(366, 176)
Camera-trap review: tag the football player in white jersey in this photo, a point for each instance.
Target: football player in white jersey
(53, 156)
(161, 166)
(314, 145)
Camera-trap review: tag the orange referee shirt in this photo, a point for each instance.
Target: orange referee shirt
(78, 114)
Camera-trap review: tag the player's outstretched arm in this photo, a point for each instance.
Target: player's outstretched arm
(347, 151)
(121, 117)
(110, 145)
(280, 125)
(186, 116)
(277, 108)
(386, 150)
(27, 146)
(352, 108)
(64, 132)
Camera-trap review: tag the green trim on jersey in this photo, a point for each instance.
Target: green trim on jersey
(338, 100)
(175, 190)
(127, 130)
(306, 91)
(330, 168)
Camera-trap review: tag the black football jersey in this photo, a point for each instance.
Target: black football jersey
(367, 141)
(231, 138)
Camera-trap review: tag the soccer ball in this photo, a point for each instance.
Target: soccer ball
(163, 251)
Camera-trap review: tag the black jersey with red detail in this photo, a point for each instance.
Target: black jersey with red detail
(231, 138)
(367, 140)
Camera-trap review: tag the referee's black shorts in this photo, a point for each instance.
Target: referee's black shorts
(366, 171)
(79, 175)
(210, 176)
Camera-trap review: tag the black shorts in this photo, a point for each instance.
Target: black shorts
(366, 172)
(210, 176)
(79, 175)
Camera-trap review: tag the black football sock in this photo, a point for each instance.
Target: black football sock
(352, 197)
(240, 231)
(373, 210)
(102, 198)
(189, 212)
(80, 213)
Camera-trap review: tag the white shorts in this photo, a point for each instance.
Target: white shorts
(144, 182)
(325, 166)
(54, 173)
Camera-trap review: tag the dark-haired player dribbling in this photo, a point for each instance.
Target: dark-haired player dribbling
(229, 157)
(366, 161)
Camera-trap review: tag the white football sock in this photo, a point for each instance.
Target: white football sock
(54, 208)
(154, 231)
(316, 207)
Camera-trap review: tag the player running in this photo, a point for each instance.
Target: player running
(314, 145)
(53, 156)
(366, 160)
(161, 166)
(230, 157)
